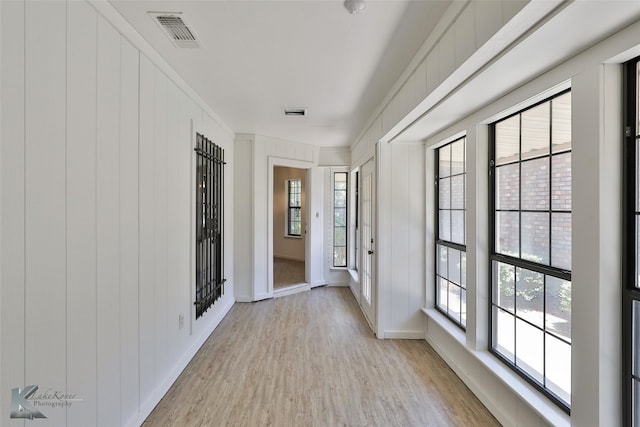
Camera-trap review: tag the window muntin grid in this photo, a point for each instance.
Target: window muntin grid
(340, 183)
(294, 207)
(531, 246)
(450, 277)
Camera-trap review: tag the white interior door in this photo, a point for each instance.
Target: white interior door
(367, 243)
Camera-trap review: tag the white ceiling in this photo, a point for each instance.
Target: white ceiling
(258, 57)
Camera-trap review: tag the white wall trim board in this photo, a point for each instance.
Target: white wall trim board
(404, 335)
(338, 284)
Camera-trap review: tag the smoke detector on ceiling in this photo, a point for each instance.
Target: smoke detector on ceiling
(175, 27)
(355, 6)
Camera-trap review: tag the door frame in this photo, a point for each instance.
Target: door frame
(371, 312)
(289, 163)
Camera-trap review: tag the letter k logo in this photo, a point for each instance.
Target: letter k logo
(21, 407)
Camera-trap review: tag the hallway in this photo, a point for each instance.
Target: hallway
(310, 360)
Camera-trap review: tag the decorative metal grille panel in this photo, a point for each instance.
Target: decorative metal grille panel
(209, 224)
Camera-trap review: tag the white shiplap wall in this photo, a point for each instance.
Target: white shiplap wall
(96, 218)
(453, 51)
(400, 246)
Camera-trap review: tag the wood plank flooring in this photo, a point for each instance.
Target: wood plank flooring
(311, 360)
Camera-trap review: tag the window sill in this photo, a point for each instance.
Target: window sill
(354, 275)
(338, 268)
(288, 236)
(446, 324)
(542, 406)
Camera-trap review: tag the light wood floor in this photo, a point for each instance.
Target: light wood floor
(310, 360)
(287, 272)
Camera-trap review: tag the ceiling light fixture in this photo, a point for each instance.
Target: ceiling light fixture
(354, 6)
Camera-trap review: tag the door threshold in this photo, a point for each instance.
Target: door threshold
(290, 290)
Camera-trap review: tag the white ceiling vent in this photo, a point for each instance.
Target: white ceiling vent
(176, 28)
(295, 112)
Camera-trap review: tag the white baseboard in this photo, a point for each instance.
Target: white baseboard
(260, 297)
(147, 407)
(404, 335)
(338, 284)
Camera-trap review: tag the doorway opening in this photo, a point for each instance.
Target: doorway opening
(289, 227)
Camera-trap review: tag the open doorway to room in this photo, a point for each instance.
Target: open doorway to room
(289, 226)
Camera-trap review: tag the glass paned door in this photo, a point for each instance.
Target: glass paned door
(367, 283)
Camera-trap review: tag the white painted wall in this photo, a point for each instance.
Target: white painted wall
(243, 211)
(255, 157)
(334, 156)
(286, 246)
(401, 244)
(96, 220)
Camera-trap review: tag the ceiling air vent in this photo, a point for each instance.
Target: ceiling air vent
(176, 28)
(295, 112)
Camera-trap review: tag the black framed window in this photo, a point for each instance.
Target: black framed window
(530, 253)
(340, 219)
(209, 224)
(451, 256)
(294, 207)
(631, 242)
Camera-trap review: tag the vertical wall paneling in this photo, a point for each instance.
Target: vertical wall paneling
(260, 242)
(465, 33)
(81, 211)
(447, 54)
(160, 227)
(382, 244)
(417, 227)
(95, 214)
(128, 230)
(243, 209)
(429, 224)
(399, 196)
(401, 225)
(183, 153)
(108, 224)
(315, 237)
(146, 211)
(45, 194)
(420, 83)
(172, 190)
(488, 18)
(510, 8)
(12, 189)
